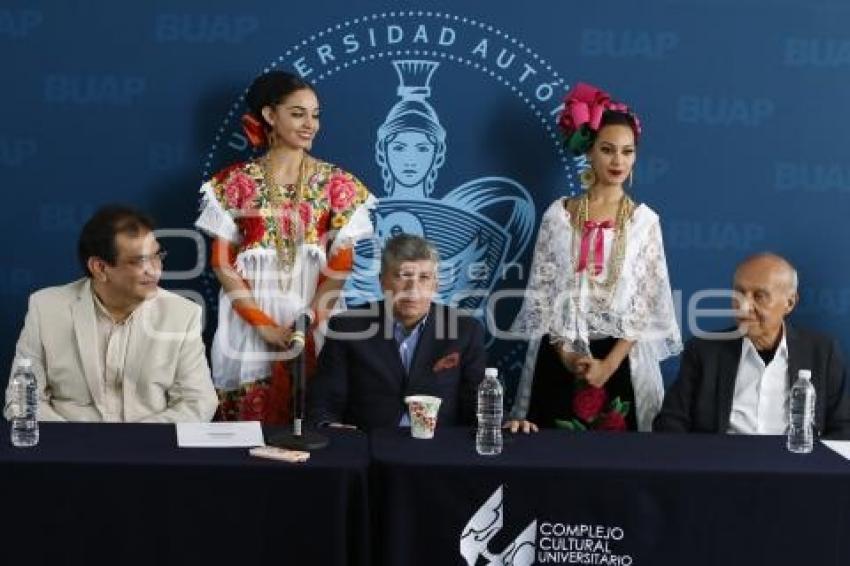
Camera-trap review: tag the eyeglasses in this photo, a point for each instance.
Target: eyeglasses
(140, 261)
(421, 276)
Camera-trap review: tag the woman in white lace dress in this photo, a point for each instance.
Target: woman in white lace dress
(598, 306)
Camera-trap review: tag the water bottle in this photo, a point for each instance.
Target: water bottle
(488, 439)
(24, 401)
(801, 415)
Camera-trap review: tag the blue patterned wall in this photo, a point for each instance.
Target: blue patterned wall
(742, 103)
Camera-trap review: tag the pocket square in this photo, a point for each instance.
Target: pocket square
(447, 362)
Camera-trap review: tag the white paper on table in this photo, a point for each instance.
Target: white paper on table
(244, 434)
(840, 446)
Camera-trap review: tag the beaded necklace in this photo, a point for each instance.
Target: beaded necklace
(289, 242)
(603, 290)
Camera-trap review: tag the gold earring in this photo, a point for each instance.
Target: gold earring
(587, 178)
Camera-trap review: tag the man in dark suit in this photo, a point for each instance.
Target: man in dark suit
(739, 383)
(375, 356)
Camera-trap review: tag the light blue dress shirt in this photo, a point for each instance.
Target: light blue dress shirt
(407, 343)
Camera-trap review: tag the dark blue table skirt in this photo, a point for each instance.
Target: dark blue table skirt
(607, 498)
(125, 494)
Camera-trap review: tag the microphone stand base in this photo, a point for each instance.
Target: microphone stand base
(308, 440)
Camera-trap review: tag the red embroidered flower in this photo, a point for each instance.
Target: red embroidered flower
(305, 211)
(254, 403)
(588, 402)
(341, 191)
(253, 229)
(240, 190)
(322, 223)
(222, 175)
(612, 420)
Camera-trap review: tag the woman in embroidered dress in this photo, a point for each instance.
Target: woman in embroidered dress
(283, 228)
(598, 305)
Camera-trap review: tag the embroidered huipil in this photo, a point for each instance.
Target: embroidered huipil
(333, 212)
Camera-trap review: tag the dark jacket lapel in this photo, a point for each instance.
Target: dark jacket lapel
(801, 356)
(797, 352)
(727, 372)
(387, 348)
(420, 365)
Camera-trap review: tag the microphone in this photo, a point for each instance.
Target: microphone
(298, 438)
(299, 334)
(298, 343)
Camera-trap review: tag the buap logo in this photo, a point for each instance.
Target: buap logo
(106, 90)
(439, 171)
(623, 44)
(18, 24)
(204, 28)
(410, 150)
(484, 525)
(724, 110)
(15, 152)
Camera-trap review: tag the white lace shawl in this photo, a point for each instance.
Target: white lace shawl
(560, 302)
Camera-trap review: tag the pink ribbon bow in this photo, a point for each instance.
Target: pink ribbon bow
(593, 230)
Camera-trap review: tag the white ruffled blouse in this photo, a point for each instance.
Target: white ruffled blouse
(236, 206)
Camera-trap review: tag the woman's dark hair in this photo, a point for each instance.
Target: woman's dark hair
(272, 88)
(98, 236)
(616, 118)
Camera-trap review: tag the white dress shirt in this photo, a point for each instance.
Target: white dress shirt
(760, 404)
(112, 341)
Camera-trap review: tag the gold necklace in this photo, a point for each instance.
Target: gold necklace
(602, 291)
(288, 242)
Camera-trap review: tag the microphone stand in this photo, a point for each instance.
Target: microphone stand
(296, 437)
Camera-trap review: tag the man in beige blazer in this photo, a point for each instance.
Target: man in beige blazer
(113, 346)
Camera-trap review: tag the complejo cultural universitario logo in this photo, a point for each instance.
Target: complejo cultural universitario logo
(484, 525)
(482, 225)
(541, 542)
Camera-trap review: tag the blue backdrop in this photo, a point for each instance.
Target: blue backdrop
(744, 145)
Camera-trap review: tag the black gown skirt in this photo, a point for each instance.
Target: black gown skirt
(554, 385)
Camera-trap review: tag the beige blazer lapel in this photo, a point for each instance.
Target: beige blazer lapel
(141, 349)
(85, 332)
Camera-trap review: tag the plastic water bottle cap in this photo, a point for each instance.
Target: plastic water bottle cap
(24, 363)
(805, 374)
(491, 372)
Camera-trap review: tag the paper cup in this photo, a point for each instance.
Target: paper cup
(423, 415)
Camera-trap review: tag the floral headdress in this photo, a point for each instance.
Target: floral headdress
(584, 106)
